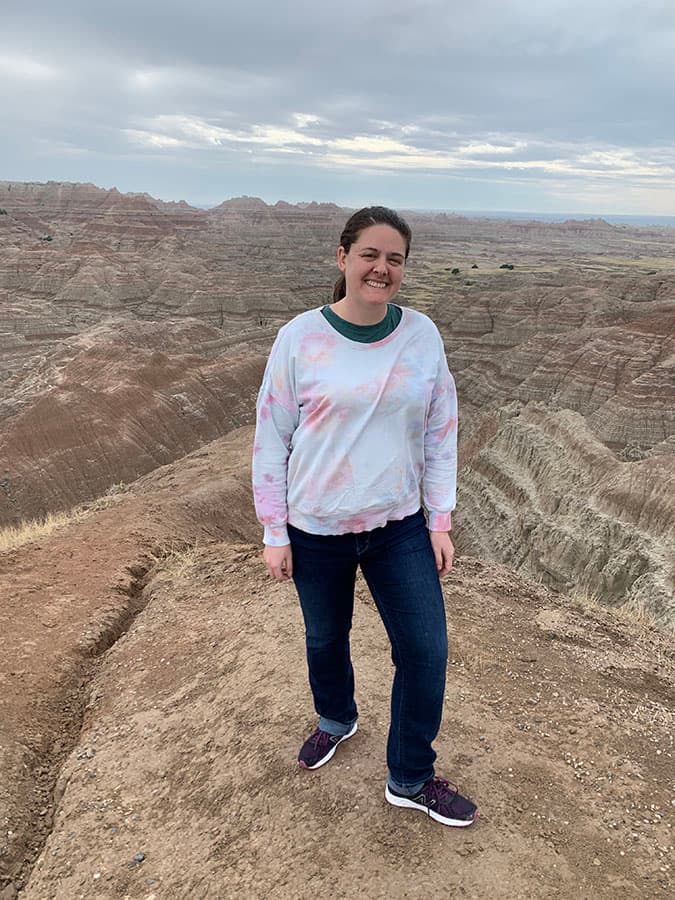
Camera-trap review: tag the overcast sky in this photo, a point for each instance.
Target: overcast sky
(537, 105)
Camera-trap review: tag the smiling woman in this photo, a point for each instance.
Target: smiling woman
(356, 427)
(374, 247)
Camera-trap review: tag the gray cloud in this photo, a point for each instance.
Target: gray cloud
(494, 105)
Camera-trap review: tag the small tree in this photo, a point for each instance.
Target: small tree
(632, 452)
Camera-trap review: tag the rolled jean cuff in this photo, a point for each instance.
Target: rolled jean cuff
(409, 790)
(333, 727)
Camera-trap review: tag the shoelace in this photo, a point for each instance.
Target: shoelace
(443, 792)
(319, 738)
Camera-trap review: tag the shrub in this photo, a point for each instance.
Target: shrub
(632, 452)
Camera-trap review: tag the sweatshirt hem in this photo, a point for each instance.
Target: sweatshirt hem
(356, 524)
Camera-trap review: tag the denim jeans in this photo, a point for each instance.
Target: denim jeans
(398, 564)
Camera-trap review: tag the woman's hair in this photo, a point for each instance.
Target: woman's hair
(358, 222)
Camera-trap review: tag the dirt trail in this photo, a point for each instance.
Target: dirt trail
(557, 722)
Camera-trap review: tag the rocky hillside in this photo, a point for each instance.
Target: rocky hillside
(133, 331)
(115, 402)
(567, 439)
(154, 697)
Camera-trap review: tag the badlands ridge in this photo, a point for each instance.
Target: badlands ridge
(133, 331)
(152, 691)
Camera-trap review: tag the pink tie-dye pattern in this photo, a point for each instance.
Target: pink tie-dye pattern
(282, 395)
(301, 416)
(356, 525)
(318, 414)
(394, 387)
(440, 521)
(270, 507)
(341, 478)
(317, 347)
(278, 534)
(264, 410)
(448, 426)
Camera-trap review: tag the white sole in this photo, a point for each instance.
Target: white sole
(331, 754)
(407, 803)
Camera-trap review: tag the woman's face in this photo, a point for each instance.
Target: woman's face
(373, 266)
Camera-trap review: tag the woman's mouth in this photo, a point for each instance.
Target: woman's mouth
(376, 284)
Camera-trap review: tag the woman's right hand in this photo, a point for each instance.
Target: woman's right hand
(279, 562)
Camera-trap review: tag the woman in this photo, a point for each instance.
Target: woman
(356, 420)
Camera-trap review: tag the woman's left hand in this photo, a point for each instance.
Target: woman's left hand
(443, 550)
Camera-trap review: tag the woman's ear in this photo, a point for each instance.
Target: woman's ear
(341, 259)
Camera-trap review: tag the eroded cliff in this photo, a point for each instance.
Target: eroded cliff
(133, 331)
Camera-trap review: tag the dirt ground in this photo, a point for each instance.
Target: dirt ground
(154, 696)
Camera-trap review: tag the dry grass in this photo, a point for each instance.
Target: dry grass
(34, 529)
(637, 617)
(16, 536)
(177, 559)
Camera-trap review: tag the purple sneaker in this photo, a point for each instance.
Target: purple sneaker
(320, 747)
(440, 800)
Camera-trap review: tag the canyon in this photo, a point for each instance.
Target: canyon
(133, 337)
(133, 331)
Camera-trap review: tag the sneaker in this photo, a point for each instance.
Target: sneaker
(440, 800)
(320, 747)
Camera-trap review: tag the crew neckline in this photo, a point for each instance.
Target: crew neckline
(363, 329)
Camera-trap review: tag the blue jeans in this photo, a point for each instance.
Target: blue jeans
(398, 564)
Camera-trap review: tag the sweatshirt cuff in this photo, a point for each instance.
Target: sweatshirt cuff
(440, 521)
(276, 536)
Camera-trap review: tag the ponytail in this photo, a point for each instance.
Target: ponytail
(340, 289)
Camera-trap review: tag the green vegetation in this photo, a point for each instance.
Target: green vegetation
(632, 452)
(657, 263)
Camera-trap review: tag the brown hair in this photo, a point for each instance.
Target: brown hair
(358, 222)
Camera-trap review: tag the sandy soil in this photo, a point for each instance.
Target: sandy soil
(154, 698)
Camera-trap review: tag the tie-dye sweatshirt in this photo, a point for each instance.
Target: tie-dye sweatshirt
(350, 435)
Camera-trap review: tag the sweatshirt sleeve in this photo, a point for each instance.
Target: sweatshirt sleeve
(277, 415)
(439, 483)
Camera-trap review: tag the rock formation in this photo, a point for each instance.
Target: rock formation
(543, 495)
(115, 402)
(133, 331)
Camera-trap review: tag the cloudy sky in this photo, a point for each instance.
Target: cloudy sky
(533, 105)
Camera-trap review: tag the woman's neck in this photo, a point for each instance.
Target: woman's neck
(358, 315)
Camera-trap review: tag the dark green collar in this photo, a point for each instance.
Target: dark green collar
(365, 334)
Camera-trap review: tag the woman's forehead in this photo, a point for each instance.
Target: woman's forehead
(381, 237)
